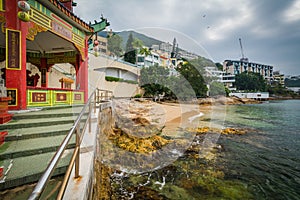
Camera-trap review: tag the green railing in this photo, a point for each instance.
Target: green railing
(91, 106)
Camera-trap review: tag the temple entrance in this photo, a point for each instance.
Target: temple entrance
(52, 71)
(47, 33)
(43, 61)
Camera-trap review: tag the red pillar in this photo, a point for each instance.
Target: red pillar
(82, 76)
(16, 78)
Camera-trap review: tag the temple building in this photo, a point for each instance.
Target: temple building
(35, 36)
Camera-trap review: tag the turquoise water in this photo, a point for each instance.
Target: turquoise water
(262, 164)
(267, 159)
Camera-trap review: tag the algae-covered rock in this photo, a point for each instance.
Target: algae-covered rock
(147, 193)
(136, 144)
(174, 192)
(226, 131)
(234, 131)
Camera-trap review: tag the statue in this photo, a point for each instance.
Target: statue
(2, 88)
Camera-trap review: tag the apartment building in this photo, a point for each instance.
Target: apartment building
(235, 67)
(278, 78)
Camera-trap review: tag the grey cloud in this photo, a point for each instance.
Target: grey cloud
(215, 24)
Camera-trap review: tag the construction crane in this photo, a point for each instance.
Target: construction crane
(243, 59)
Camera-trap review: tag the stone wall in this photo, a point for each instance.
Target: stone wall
(101, 181)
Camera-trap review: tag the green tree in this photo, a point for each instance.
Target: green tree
(139, 46)
(219, 66)
(201, 62)
(130, 53)
(217, 88)
(144, 51)
(154, 80)
(137, 43)
(114, 44)
(191, 72)
(250, 81)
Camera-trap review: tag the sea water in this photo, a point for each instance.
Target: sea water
(267, 159)
(264, 163)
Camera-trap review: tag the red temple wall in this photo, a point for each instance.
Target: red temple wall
(16, 78)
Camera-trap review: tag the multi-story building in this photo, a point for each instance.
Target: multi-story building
(235, 67)
(225, 78)
(148, 60)
(212, 71)
(166, 47)
(103, 45)
(278, 77)
(229, 80)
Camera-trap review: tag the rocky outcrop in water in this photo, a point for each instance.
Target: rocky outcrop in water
(226, 101)
(134, 144)
(226, 131)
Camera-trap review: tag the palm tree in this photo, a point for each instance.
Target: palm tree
(145, 51)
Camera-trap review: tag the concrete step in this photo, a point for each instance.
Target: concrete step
(32, 140)
(28, 147)
(34, 132)
(48, 113)
(26, 123)
(28, 169)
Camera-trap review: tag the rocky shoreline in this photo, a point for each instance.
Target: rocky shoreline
(227, 101)
(144, 130)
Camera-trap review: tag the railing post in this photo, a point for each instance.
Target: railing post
(78, 153)
(90, 117)
(95, 103)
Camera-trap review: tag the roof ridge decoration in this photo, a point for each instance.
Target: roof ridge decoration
(71, 15)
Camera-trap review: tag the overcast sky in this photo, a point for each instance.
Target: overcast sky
(269, 29)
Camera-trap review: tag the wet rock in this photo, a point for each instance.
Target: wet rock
(136, 144)
(148, 194)
(234, 131)
(226, 131)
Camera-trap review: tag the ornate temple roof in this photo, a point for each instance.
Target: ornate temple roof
(70, 14)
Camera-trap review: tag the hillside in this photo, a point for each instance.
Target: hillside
(292, 82)
(148, 41)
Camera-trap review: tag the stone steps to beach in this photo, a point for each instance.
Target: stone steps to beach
(49, 113)
(33, 132)
(28, 147)
(26, 123)
(28, 169)
(32, 139)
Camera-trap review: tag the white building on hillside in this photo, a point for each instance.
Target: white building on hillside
(212, 71)
(149, 60)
